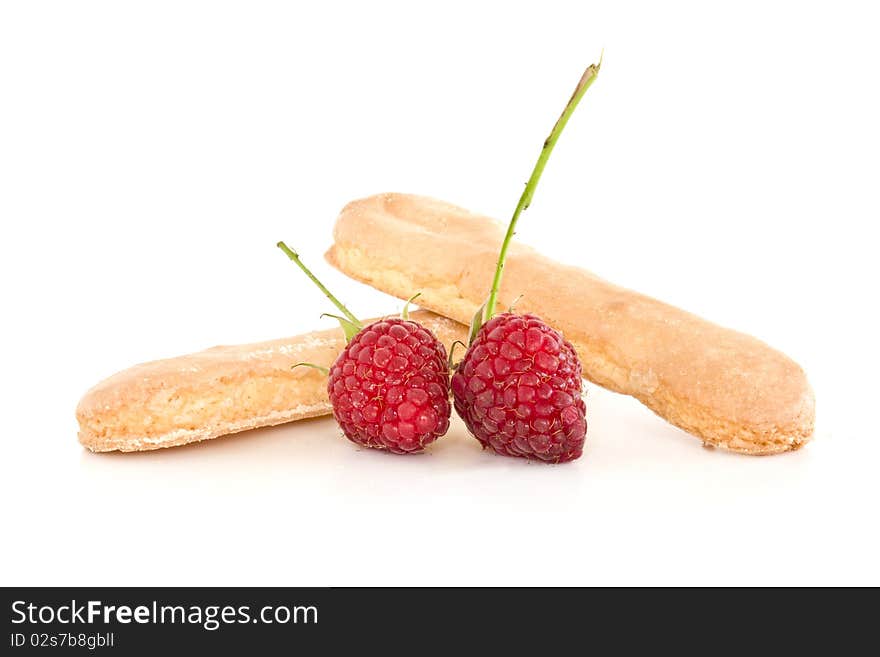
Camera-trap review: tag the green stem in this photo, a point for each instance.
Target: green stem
(405, 312)
(525, 200)
(320, 368)
(293, 255)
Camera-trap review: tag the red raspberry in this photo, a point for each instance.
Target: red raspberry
(390, 387)
(518, 390)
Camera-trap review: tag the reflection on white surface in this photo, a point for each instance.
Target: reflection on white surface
(300, 504)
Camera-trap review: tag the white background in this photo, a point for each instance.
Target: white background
(152, 153)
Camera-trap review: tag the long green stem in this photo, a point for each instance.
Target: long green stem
(293, 255)
(525, 200)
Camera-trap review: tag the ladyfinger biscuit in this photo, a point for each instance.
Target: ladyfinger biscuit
(725, 387)
(219, 391)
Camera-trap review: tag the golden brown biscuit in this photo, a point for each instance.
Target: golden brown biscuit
(727, 388)
(219, 391)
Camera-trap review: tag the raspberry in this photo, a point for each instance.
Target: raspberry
(518, 390)
(390, 387)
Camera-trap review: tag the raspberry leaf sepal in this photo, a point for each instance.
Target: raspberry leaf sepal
(477, 323)
(452, 347)
(321, 368)
(404, 314)
(348, 327)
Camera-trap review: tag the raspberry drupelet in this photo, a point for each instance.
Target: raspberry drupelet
(518, 390)
(389, 388)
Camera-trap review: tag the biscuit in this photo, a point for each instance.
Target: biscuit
(727, 388)
(219, 391)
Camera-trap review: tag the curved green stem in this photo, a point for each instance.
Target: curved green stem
(405, 312)
(320, 368)
(293, 255)
(525, 200)
(452, 352)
